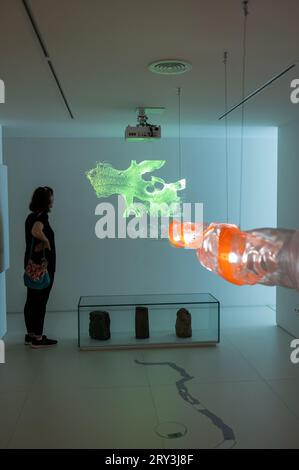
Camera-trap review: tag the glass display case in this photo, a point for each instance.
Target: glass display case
(148, 321)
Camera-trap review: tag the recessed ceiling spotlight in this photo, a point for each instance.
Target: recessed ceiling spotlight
(170, 67)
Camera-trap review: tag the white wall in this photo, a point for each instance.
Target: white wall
(87, 265)
(288, 216)
(2, 277)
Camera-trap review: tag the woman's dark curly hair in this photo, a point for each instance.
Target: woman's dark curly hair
(41, 198)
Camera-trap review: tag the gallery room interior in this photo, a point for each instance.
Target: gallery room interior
(159, 143)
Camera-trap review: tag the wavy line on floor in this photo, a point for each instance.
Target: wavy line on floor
(228, 435)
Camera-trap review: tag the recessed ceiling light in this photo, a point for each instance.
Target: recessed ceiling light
(170, 67)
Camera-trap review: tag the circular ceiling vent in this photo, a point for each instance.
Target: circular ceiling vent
(170, 67)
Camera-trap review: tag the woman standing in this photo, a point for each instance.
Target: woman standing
(39, 238)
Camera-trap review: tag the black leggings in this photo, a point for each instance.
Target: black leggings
(35, 308)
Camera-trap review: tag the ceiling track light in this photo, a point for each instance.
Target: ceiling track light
(261, 88)
(46, 54)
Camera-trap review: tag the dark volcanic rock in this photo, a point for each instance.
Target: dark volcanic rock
(183, 323)
(99, 325)
(141, 323)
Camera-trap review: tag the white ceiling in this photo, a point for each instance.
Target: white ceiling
(100, 50)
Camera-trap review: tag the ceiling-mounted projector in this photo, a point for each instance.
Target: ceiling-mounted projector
(143, 130)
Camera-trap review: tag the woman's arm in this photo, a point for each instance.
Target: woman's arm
(37, 232)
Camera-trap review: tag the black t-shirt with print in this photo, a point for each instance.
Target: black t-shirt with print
(50, 255)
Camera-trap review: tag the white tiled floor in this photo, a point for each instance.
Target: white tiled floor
(64, 398)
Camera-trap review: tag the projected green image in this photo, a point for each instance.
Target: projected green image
(153, 196)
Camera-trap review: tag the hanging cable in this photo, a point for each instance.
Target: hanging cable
(180, 143)
(245, 10)
(225, 55)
